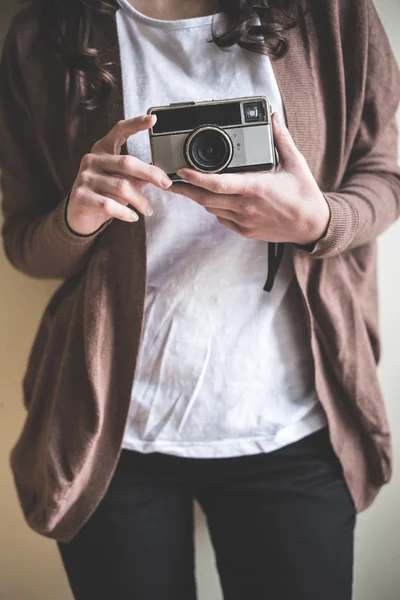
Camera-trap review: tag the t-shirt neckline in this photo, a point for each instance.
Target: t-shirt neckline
(163, 24)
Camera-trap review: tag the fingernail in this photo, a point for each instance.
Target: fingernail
(166, 182)
(183, 173)
(150, 212)
(134, 217)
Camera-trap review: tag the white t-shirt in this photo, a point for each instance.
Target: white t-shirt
(224, 368)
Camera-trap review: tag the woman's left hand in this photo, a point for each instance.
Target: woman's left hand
(285, 205)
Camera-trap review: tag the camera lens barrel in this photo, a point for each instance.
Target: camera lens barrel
(208, 149)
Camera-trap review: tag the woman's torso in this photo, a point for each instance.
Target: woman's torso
(79, 378)
(224, 368)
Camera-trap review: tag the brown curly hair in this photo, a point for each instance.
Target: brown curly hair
(67, 24)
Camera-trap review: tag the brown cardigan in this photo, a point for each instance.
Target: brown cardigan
(341, 87)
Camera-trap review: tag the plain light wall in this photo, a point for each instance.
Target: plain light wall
(30, 568)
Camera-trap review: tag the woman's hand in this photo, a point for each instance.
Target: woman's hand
(108, 184)
(284, 206)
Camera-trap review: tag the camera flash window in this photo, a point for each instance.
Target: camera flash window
(252, 112)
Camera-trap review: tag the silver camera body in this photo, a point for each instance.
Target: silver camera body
(223, 136)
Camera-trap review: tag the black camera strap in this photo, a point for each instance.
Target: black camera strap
(275, 255)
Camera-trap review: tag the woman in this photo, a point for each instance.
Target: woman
(162, 372)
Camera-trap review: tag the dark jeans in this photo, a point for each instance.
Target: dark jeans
(281, 525)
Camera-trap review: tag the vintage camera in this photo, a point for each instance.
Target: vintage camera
(224, 136)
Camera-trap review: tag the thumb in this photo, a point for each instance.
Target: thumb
(288, 152)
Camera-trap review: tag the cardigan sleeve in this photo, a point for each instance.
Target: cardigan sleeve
(368, 200)
(36, 236)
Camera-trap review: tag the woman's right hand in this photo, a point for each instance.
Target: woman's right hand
(108, 184)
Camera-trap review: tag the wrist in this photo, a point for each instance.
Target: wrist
(70, 219)
(77, 225)
(316, 223)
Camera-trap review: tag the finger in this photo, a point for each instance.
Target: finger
(114, 140)
(225, 183)
(289, 155)
(232, 226)
(204, 197)
(227, 215)
(129, 166)
(109, 207)
(122, 189)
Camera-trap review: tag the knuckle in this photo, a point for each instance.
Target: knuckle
(104, 204)
(257, 189)
(250, 210)
(87, 161)
(220, 187)
(86, 177)
(80, 194)
(122, 185)
(125, 162)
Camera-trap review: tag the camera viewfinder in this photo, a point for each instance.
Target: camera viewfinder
(253, 112)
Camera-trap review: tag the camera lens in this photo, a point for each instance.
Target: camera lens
(209, 149)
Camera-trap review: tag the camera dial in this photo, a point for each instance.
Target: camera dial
(208, 149)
